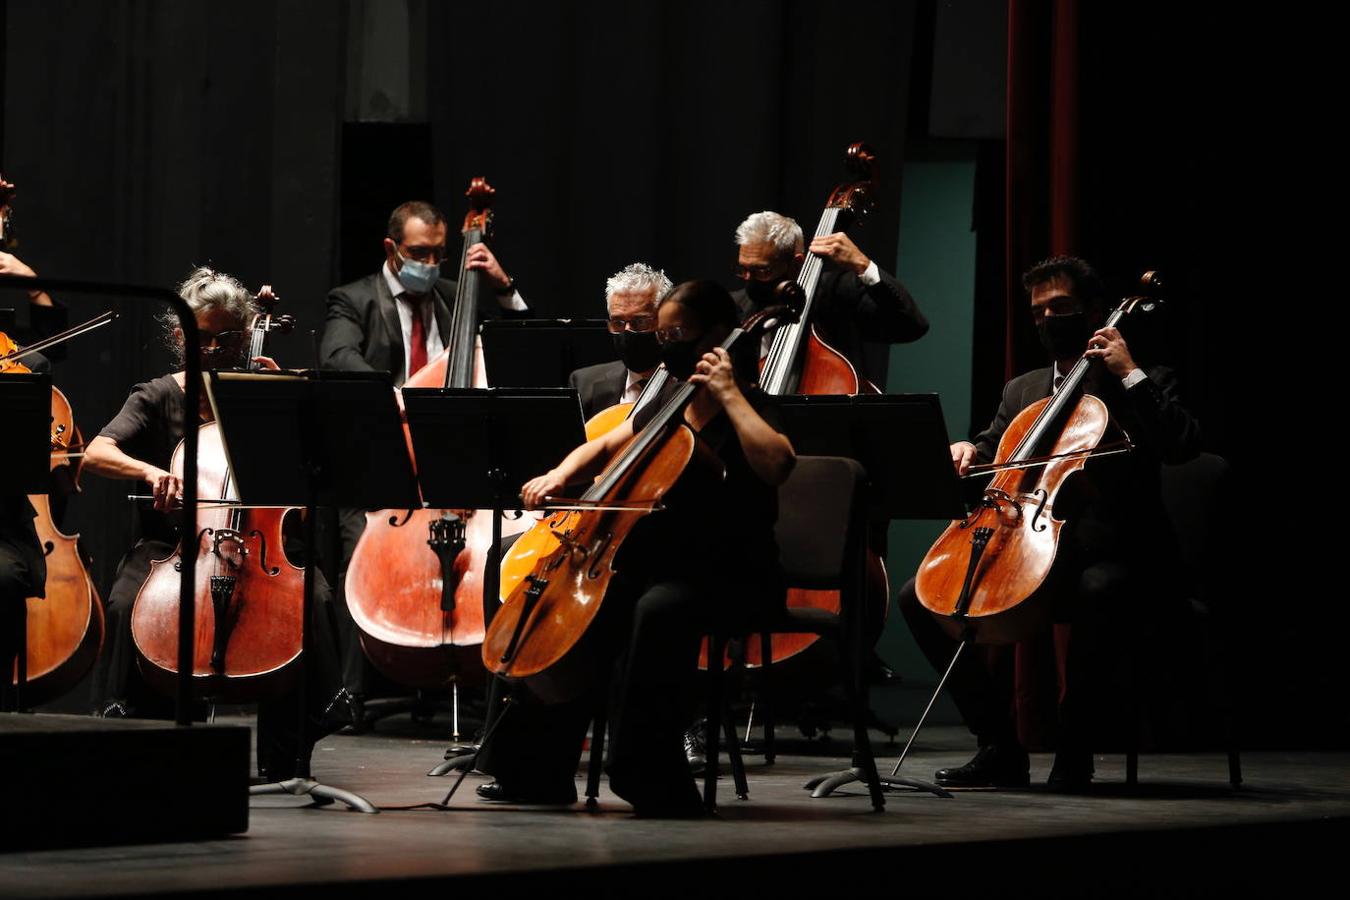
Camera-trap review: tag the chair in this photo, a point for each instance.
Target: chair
(1194, 494)
(822, 539)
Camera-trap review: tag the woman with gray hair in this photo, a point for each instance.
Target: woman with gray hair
(138, 444)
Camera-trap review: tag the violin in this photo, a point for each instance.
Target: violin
(415, 581)
(800, 361)
(981, 576)
(249, 596)
(540, 633)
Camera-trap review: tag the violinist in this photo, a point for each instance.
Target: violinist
(138, 444)
(709, 557)
(396, 321)
(856, 300)
(631, 295)
(1114, 549)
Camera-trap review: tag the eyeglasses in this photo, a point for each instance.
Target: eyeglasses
(676, 334)
(220, 338)
(763, 272)
(638, 324)
(434, 256)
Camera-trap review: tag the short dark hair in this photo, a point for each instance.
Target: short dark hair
(1086, 284)
(413, 209)
(707, 301)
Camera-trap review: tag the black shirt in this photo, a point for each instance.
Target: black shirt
(717, 525)
(149, 428)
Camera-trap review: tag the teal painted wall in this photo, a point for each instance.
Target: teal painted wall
(937, 263)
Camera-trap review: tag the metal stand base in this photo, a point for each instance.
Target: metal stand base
(824, 785)
(456, 758)
(322, 794)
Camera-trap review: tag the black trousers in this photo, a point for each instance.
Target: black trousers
(647, 638)
(15, 588)
(1097, 598)
(117, 677)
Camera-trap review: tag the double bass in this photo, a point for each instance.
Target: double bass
(415, 581)
(981, 577)
(801, 361)
(249, 596)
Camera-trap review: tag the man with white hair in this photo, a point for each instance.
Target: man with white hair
(631, 295)
(856, 300)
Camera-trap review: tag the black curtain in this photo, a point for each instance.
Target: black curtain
(147, 137)
(617, 132)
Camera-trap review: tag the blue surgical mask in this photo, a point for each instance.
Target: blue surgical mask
(417, 277)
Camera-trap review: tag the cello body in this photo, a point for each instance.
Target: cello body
(250, 597)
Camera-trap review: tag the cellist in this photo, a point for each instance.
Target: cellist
(138, 444)
(708, 557)
(1115, 548)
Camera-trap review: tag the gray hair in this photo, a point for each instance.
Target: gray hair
(206, 289)
(637, 278)
(770, 228)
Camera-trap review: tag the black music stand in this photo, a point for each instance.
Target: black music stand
(543, 352)
(475, 446)
(901, 440)
(25, 463)
(313, 439)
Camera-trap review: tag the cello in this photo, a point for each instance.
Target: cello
(981, 577)
(800, 361)
(415, 581)
(539, 636)
(249, 596)
(65, 627)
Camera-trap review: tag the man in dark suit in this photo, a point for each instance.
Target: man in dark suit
(1114, 550)
(396, 321)
(631, 295)
(399, 318)
(856, 301)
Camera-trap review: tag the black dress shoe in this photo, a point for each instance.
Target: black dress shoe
(496, 792)
(996, 765)
(1071, 772)
(696, 746)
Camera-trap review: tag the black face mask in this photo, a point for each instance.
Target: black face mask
(760, 292)
(639, 350)
(680, 358)
(1064, 336)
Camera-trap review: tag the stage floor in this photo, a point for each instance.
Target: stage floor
(1183, 831)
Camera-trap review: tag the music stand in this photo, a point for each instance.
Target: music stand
(901, 440)
(25, 463)
(312, 439)
(543, 352)
(475, 447)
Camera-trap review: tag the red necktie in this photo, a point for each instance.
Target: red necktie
(417, 356)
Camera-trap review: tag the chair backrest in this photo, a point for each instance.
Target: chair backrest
(1194, 494)
(818, 519)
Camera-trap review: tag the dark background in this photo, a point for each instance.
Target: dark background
(271, 139)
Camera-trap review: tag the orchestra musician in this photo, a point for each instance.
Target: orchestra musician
(631, 295)
(1114, 549)
(710, 559)
(138, 444)
(856, 300)
(396, 321)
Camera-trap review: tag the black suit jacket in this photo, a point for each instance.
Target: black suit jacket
(361, 330)
(1117, 507)
(848, 312)
(600, 386)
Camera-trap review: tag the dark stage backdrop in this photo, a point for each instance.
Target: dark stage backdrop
(147, 137)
